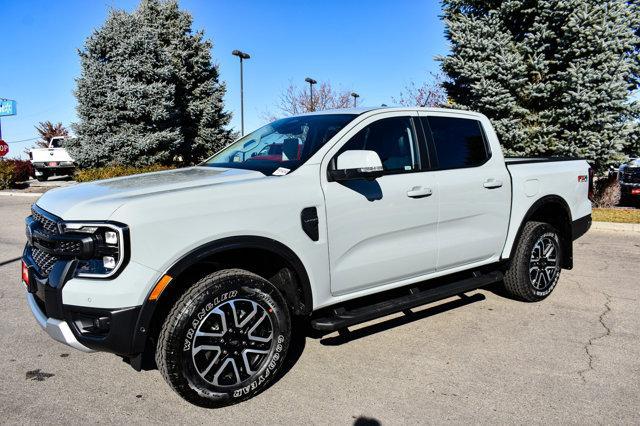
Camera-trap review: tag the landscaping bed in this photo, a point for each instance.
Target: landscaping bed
(618, 215)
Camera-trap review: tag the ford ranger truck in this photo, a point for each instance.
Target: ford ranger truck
(323, 220)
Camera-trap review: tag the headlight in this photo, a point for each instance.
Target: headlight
(107, 252)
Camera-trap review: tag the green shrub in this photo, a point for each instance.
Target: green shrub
(88, 175)
(7, 174)
(14, 171)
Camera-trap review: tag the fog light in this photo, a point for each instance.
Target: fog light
(101, 324)
(109, 262)
(111, 237)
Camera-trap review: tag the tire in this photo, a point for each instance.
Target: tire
(43, 177)
(532, 276)
(248, 334)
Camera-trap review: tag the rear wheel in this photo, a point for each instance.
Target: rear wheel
(43, 177)
(536, 265)
(225, 339)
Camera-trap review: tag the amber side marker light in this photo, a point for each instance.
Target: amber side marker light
(159, 288)
(25, 274)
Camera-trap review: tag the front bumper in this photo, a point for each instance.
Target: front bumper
(58, 330)
(81, 327)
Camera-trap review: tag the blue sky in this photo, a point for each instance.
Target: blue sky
(374, 47)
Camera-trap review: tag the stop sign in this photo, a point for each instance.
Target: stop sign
(4, 148)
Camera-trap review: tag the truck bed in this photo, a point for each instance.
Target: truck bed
(535, 178)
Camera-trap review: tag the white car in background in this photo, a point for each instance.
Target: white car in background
(52, 161)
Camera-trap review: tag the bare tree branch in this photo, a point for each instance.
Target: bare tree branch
(297, 100)
(428, 94)
(48, 130)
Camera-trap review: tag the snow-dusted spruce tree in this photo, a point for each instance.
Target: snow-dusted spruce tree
(555, 76)
(148, 91)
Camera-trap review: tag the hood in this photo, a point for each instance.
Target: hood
(98, 200)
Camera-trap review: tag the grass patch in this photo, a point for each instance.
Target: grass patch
(617, 215)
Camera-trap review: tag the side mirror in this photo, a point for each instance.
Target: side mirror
(357, 164)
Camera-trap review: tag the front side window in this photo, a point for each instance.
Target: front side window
(284, 144)
(392, 139)
(459, 142)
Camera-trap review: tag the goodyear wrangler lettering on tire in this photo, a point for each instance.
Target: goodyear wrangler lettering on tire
(232, 329)
(202, 314)
(263, 377)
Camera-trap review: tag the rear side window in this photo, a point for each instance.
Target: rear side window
(459, 142)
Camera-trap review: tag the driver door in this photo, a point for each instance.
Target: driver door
(382, 231)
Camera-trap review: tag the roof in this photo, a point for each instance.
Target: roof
(362, 110)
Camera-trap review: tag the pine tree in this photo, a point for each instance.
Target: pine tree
(148, 92)
(555, 76)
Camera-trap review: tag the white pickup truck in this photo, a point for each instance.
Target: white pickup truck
(353, 215)
(52, 161)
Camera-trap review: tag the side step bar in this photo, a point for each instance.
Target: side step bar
(340, 318)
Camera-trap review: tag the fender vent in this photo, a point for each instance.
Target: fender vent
(309, 220)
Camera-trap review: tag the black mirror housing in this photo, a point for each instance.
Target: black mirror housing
(354, 174)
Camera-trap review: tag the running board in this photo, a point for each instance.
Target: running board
(340, 318)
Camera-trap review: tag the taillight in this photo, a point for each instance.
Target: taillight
(25, 274)
(591, 194)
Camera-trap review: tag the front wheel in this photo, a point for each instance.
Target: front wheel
(535, 268)
(43, 177)
(225, 339)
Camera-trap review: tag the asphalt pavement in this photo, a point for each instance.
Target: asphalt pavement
(573, 358)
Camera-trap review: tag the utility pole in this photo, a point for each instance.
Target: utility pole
(242, 56)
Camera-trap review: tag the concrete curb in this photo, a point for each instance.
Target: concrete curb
(619, 227)
(21, 194)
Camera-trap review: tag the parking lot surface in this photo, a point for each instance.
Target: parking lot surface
(573, 358)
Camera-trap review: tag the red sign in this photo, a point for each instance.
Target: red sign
(4, 148)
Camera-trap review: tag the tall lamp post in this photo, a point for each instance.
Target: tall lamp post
(242, 56)
(311, 83)
(355, 96)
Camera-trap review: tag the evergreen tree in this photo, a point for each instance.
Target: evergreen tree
(555, 76)
(148, 92)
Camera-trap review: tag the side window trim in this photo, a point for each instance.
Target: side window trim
(429, 157)
(424, 120)
(416, 147)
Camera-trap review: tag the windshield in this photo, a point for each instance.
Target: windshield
(281, 146)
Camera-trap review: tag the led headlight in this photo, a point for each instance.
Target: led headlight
(104, 247)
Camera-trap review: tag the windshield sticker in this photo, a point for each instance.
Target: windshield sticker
(281, 171)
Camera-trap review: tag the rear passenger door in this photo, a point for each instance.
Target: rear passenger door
(475, 190)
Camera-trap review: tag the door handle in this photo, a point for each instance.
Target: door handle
(492, 183)
(419, 192)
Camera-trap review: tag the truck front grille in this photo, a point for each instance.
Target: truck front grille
(44, 261)
(48, 224)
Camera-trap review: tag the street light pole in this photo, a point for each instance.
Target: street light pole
(242, 56)
(355, 96)
(311, 83)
